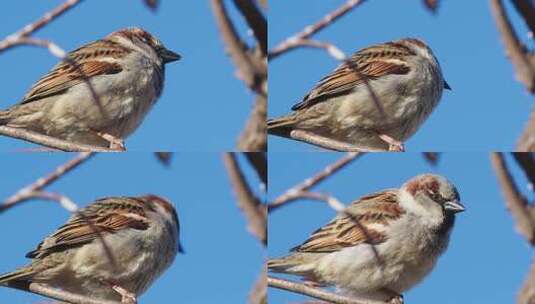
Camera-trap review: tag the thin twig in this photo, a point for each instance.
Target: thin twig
(25, 193)
(294, 41)
(15, 39)
(308, 183)
(315, 292)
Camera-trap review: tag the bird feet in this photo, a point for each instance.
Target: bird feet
(396, 300)
(126, 296)
(394, 145)
(115, 143)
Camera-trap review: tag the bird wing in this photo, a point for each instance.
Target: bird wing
(105, 216)
(362, 222)
(80, 65)
(365, 65)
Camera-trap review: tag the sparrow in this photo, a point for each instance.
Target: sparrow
(405, 78)
(126, 70)
(141, 233)
(382, 244)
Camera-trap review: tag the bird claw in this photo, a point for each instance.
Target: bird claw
(393, 145)
(126, 296)
(115, 143)
(396, 300)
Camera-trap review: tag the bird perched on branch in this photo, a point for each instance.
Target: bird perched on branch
(99, 94)
(376, 99)
(382, 244)
(113, 249)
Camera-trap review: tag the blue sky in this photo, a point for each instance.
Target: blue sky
(487, 260)
(203, 107)
(222, 260)
(487, 108)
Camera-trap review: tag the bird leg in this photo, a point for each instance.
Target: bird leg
(126, 296)
(394, 145)
(115, 143)
(396, 298)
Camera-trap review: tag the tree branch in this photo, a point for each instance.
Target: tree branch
(308, 183)
(295, 41)
(525, 71)
(235, 47)
(252, 207)
(56, 294)
(315, 292)
(256, 20)
(16, 38)
(27, 192)
(515, 201)
(49, 141)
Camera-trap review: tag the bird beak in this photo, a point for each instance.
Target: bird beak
(168, 56)
(446, 86)
(180, 248)
(454, 206)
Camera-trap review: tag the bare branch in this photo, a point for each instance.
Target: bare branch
(327, 143)
(526, 9)
(26, 193)
(15, 39)
(254, 136)
(258, 161)
(525, 71)
(515, 201)
(235, 46)
(527, 163)
(57, 294)
(49, 141)
(308, 183)
(295, 40)
(527, 292)
(258, 293)
(315, 292)
(252, 207)
(526, 142)
(256, 20)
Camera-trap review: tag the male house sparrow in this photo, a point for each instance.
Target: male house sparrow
(382, 244)
(140, 232)
(404, 75)
(126, 70)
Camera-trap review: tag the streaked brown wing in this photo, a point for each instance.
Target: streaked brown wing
(65, 75)
(348, 76)
(354, 227)
(77, 231)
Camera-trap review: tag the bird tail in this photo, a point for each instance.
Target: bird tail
(282, 126)
(297, 264)
(17, 275)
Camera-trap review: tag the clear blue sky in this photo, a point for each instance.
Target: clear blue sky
(487, 260)
(487, 108)
(203, 107)
(222, 260)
